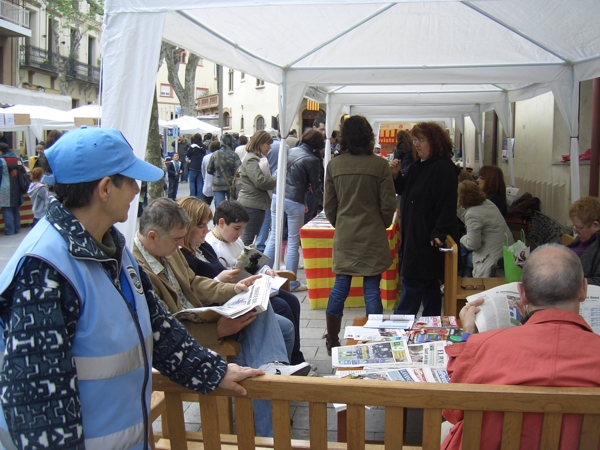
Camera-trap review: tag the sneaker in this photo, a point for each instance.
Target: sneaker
(278, 368)
(300, 287)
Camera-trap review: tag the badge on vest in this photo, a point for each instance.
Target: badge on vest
(136, 280)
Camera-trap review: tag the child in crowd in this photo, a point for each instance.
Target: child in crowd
(38, 193)
(225, 238)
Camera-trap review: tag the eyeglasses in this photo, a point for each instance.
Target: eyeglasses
(577, 229)
(419, 141)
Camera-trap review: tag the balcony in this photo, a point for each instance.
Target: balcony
(14, 20)
(38, 58)
(208, 102)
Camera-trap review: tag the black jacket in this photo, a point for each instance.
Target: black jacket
(429, 195)
(209, 269)
(303, 169)
(195, 154)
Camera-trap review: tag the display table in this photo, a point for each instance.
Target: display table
(317, 248)
(26, 213)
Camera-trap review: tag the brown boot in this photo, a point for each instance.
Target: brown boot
(333, 330)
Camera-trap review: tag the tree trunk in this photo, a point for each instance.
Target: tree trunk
(153, 152)
(185, 93)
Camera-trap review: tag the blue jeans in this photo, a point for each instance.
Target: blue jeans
(287, 305)
(184, 167)
(341, 289)
(12, 220)
(415, 291)
(467, 262)
(261, 342)
(263, 235)
(196, 183)
(295, 221)
(220, 196)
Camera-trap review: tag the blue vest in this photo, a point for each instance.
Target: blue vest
(112, 345)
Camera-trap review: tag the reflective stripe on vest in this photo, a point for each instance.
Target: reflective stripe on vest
(126, 439)
(102, 367)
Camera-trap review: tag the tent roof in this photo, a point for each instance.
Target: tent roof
(191, 125)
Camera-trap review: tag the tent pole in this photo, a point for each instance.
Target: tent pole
(281, 175)
(595, 145)
(511, 163)
(329, 130)
(220, 91)
(494, 138)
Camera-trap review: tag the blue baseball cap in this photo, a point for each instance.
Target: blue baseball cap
(90, 154)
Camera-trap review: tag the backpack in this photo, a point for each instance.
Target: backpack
(24, 179)
(236, 185)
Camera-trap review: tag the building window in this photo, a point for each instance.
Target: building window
(201, 62)
(165, 90)
(230, 80)
(242, 124)
(201, 92)
(226, 120)
(242, 77)
(259, 123)
(260, 83)
(183, 58)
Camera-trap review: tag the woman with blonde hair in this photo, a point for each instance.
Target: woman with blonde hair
(487, 230)
(257, 183)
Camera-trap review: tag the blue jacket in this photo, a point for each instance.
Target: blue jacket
(112, 327)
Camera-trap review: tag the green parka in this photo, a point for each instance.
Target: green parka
(360, 202)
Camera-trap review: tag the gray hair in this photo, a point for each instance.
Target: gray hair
(162, 215)
(550, 278)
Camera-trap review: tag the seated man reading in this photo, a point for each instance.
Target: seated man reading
(163, 226)
(553, 347)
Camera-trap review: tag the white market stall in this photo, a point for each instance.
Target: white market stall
(191, 125)
(368, 43)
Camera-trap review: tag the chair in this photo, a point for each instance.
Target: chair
(454, 290)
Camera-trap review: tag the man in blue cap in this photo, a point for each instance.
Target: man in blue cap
(83, 328)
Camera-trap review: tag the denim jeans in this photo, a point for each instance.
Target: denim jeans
(196, 183)
(341, 289)
(263, 234)
(287, 305)
(295, 221)
(415, 291)
(220, 196)
(253, 226)
(173, 187)
(12, 220)
(467, 262)
(261, 342)
(184, 167)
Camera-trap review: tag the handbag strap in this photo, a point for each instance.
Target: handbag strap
(221, 167)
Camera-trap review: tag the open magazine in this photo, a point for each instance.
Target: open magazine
(502, 308)
(251, 260)
(255, 298)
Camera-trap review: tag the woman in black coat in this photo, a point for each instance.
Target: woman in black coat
(428, 214)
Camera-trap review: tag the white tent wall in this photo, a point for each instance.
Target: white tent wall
(128, 89)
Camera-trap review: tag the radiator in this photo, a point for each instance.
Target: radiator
(554, 197)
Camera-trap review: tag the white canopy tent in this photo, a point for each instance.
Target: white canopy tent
(512, 44)
(191, 125)
(87, 112)
(41, 118)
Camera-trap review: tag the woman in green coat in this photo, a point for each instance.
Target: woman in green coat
(360, 201)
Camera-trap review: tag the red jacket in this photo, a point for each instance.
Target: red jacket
(554, 348)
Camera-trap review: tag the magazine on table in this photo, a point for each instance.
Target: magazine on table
(402, 321)
(374, 334)
(256, 298)
(436, 322)
(411, 374)
(423, 335)
(429, 354)
(379, 353)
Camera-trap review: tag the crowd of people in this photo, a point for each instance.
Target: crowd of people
(86, 315)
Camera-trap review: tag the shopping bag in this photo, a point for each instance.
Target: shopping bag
(514, 257)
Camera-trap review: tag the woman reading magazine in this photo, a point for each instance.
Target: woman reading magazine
(215, 263)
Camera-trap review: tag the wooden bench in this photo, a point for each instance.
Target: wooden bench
(454, 292)
(393, 396)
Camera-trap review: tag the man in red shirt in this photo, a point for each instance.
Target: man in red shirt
(553, 347)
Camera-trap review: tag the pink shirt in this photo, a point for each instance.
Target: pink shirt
(554, 348)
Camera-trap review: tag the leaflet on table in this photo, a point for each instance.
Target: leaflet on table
(429, 354)
(590, 308)
(255, 298)
(374, 334)
(411, 374)
(403, 321)
(394, 352)
(436, 322)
